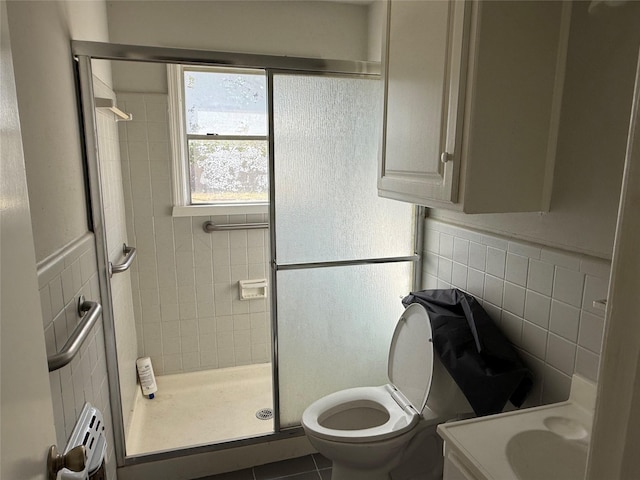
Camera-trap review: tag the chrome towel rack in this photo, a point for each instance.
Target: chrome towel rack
(212, 227)
(129, 254)
(89, 311)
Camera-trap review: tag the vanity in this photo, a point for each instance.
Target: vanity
(548, 442)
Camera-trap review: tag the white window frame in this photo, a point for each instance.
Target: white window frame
(182, 206)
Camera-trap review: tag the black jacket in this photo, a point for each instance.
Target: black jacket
(474, 351)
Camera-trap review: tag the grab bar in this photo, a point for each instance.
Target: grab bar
(130, 254)
(89, 311)
(212, 227)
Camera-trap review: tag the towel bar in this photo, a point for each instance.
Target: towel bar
(212, 227)
(89, 311)
(130, 254)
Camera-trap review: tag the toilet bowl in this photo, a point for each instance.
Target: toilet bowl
(366, 430)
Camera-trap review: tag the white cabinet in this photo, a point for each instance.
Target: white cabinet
(472, 102)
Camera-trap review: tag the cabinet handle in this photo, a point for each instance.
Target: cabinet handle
(445, 157)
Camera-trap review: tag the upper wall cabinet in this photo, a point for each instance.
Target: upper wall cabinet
(472, 103)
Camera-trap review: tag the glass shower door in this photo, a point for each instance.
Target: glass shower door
(343, 256)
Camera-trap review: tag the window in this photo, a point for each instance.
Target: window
(220, 137)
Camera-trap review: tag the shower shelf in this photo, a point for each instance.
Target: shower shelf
(109, 104)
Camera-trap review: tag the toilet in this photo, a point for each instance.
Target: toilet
(369, 431)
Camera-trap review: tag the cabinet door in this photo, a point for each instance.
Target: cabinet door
(423, 63)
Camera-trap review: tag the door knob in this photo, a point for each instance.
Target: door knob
(74, 460)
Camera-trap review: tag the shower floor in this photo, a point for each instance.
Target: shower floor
(202, 407)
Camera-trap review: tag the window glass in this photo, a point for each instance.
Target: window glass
(225, 115)
(220, 103)
(229, 171)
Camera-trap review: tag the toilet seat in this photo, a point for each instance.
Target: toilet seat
(400, 419)
(410, 368)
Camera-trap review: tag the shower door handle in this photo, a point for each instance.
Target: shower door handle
(130, 255)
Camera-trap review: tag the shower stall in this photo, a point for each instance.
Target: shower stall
(336, 258)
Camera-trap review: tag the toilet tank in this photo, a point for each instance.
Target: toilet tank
(445, 397)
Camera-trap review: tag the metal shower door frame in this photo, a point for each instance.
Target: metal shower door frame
(84, 52)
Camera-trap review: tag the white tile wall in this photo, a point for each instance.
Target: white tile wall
(188, 313)
(540, 297)
(62, 278)
(116, 235)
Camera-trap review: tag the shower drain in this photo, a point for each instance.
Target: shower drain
(264, 414)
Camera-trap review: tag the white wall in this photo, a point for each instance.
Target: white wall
(40, 35)
(329, 30)
(116, 233)
(185, 281)
(541, 298)
(592, 139)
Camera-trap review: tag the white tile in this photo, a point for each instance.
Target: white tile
(187, 310)
(512, 327)
(540, 277)
(591, 332)
(477, 256)
(170, 346)
(459, 276)
(432, 241)
(524, 250)
(570, 262)
(493, 311)
(208, 342)
(189, 328)
(556, 386)
(241, 322)
(595, 267)
(564, 320)
(188, 344)
(431, 264)
(56, 295)
(190, 361)
(496, 260)
(537, 308)
(68, 289)
(444, 269)
(495, 242)
(224, 323)
(595, 288)
(461, 250)
(514, 297)
(206, 309)
(475, 282)
(241, 339)
(516, 270)
(442, 285)
(172, 363)
(429, 282)
(587, 364)
(446, 246)
(561, 354)
(568, 286)
(170, 330)
(45, 305)
(255, 255)
(493, 288)
(534, 340)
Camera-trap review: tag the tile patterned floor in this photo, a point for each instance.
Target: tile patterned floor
(311, 467)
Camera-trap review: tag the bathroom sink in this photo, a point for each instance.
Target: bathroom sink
(537, 454)
(549, 442)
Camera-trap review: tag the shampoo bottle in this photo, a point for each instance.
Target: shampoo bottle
(147, 379)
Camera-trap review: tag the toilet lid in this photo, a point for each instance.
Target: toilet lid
(411, 356)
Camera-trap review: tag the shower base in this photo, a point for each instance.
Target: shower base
(203, 407)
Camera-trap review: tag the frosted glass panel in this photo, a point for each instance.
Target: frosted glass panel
(326, 135)
(334, 329)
